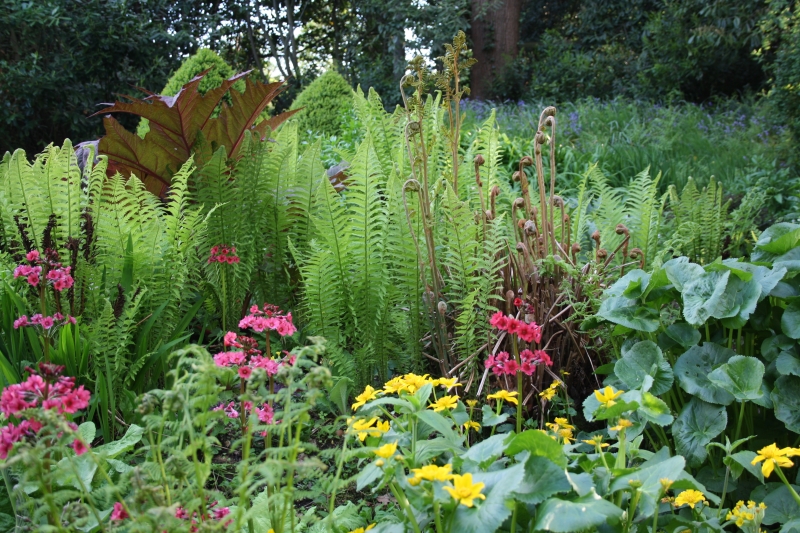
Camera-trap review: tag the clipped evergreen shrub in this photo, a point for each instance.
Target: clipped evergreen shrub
(325, 101)
(193, 65)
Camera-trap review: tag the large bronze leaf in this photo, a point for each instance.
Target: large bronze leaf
(183, 125)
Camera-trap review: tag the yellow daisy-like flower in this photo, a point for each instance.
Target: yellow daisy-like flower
(690, 497)
(597, 441)
(564, 423)
(747, 513)
(447, 383)
(364, 427)
(772, 456)
(433, 473)
(550, 392)
(510, 397)
(464, 490)
(394, 386)
(565, 434)
(607, 396)
(363, 529)
(471, 424)
(368, 394)
(472, 403)
(622, 424)
(413, 382)
(387, 450)
(666, 483)
(445, 402)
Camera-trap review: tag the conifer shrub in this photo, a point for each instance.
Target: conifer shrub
(324, 102)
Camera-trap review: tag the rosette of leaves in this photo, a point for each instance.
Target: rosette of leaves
(184, 125)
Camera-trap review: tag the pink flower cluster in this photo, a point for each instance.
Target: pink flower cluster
(58, 275)
(503, 364)
(119, 512)
(528, 332)
(46, 389)
(223, 254)
(249, 358)
(217, 514)
(268, 318)
(44, 322)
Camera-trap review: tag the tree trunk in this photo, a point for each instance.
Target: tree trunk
(495, 37)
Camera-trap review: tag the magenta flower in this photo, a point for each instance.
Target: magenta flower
(119, 512)
(79, 446)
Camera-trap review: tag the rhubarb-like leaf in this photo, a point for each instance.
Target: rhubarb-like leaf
(183, 125)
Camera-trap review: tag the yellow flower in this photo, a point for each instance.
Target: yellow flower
(445, 402)
(510, 397)
(666, 483)
(368, 394)
(747, 513)
(363, 427)
(772, 455)
(472, 425)
(564, 423)
(690, 497)
(432, 473)
(622, 424)
(566, 435)
(394, 386)
(607, 396)
(597, 441)
(379, 462)
(447, 383)
(550, 392)
(464, 490)
(413, 382)
(361, 529)
(472, 403)
(387, 450)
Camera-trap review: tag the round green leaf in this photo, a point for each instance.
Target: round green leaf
(772, 346)
(741, 376)
(781, 506)
(693, 367)
(697, 425)
(787, 364)
(681, 272)
(629, 313)
(542, 480)
(786, 398)
(683, 334)
(790, 321)
(490, 514)
(644, 359)
(537, 443)
(708, 296)
(582, 514)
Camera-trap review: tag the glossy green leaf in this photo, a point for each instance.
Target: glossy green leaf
(490, 418)
(706, 297)
(786, 399)
(790, 321)
(697, 425)
(489, 514)
(653, 409)
(781, 506)
(777, 239)
(744, 459)
(539, 444)
(542, 479)
(631, 285)
(629, 313)
(683, 334)
(741, 376)
(693, 367)
(585, 513)
(681, 272)
(787, 364)
(487, 451)
(132, 437)
(642, 359)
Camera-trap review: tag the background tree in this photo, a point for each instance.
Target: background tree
(60, 58)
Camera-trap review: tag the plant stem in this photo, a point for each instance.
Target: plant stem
(438, 519)
(739, 422)
(724, 490)
(632, 509)
(403, 501)
(788, 485)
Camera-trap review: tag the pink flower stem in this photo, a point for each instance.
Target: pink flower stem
(519, 384)
(43, 306)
